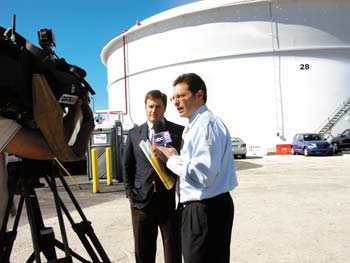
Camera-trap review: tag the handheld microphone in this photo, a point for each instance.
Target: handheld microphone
(161, 136)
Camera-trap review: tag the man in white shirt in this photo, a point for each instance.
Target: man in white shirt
(206, 172)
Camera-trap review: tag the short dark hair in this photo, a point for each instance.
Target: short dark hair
(194, 82)
(156, 94)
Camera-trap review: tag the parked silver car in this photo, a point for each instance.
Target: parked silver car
(239, 148)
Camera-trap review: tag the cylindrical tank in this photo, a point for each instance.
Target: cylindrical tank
(272, 68)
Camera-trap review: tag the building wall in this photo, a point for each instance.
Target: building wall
(272, 68)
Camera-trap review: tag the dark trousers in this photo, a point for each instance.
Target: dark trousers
(206, 230)
(158, 213)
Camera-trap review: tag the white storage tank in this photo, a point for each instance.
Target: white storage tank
(272, 68)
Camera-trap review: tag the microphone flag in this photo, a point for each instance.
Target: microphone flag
(162, 138)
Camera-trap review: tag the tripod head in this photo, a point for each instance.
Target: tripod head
(27, 170)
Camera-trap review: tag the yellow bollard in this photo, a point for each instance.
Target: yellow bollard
(94, 170)
(109, 166)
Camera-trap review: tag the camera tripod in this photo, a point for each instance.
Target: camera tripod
(23, 183)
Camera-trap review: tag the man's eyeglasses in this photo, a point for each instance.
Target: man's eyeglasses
(180, 97)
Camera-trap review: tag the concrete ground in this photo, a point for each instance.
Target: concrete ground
(287, 209)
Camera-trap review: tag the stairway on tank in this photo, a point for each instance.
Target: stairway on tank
(335, 117)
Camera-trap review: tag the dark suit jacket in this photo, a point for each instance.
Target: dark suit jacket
(140, 179)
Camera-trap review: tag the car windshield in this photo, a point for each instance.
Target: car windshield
(313, 137)
(346, 133)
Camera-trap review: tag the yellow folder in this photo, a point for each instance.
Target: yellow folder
(158, 166)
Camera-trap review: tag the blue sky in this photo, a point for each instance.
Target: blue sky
(82, 28)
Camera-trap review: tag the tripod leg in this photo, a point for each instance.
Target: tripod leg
(59, 213)
(60, 246)
(43, 237)
(33, 227)
(84, 228)
(22, 186)
(7, 239)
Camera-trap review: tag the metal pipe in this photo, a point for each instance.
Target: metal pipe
(109, 165)
(125, 74)
(95, 175)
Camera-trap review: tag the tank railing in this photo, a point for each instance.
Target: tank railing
(334, 117)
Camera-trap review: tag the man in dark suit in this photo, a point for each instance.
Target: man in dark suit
(152, 205)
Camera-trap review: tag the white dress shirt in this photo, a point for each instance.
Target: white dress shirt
(205, 165)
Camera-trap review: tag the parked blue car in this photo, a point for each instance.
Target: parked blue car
(311, 144)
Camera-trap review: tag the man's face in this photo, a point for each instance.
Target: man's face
(154, 110)
(185, 102)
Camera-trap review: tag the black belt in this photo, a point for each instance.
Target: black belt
(205, 201)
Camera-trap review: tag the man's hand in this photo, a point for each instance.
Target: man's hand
(164, 153)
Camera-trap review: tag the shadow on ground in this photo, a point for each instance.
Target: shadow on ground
(80, 188)
(245, 164)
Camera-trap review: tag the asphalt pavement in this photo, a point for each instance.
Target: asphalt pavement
(287, 209)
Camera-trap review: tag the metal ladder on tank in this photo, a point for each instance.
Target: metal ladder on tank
(335, 117)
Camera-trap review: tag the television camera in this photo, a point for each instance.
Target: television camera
(20, 59)
(36, 87)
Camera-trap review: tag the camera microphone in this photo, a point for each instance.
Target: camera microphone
(161, 136)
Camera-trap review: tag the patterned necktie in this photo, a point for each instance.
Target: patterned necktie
(150, 134)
